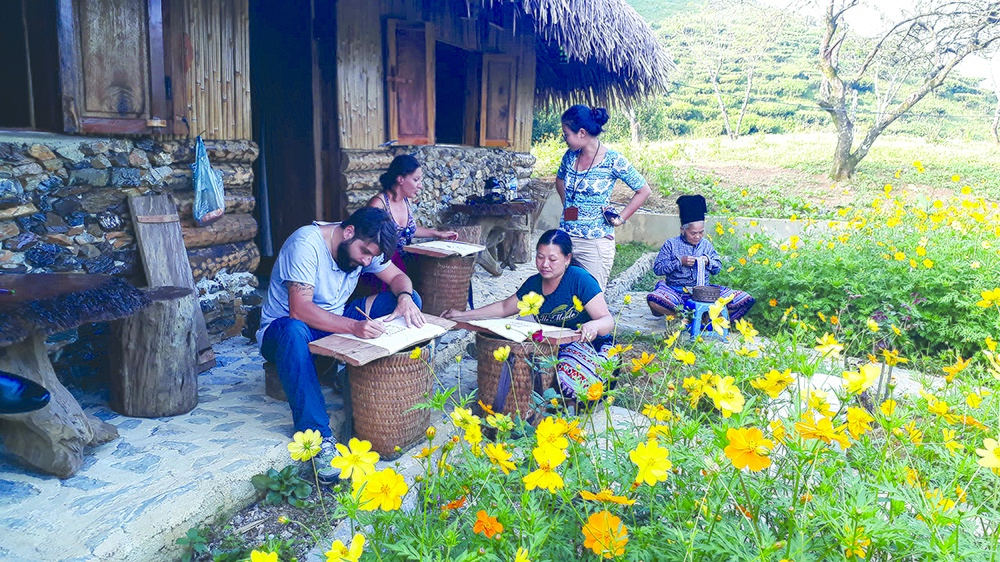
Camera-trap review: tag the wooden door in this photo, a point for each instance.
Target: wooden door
(111, 65)
(410, 81)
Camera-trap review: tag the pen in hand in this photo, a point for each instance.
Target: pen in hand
(370, 319)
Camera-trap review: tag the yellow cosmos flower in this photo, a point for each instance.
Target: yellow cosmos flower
(888, 408)
(872, 325)
(530, 304)
(552, 433)
(991, 344)
(990, 298)
(746, 352)
(915, 435)
(777, 428)
(856, 382)
(339, 552)
(605, 535)
(500, 421)
(928, 263)
(957, 367)
(355, 461)
(305, 445)
(892, 357)
(606, 496)
(640, 363)
(973, 400)
(426, 452)
(577, 304)
(858, 543)
(501, 353)
(487, 525)
(415, 354)
(380, 490)
(473, 436)
(595, 391)
(652, 461)
(618, 349)
(774, 382)
(659, 412)
(990, 455)
(627, 299)
(900, 256)
(921, 251)
(522, 555)
(948, 436)
(828, 346)
(262, 556)
(821, 429)
(548, 458)
(748, 448)
(686, 357)
(463, 418)
(858, 422)
(726, 396)
(673, 338)
(818, 400)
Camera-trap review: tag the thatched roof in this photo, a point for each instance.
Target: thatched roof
(594, 51)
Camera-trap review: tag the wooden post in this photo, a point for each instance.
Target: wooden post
(153, 357)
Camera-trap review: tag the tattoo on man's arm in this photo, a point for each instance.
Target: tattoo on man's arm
(302, 289)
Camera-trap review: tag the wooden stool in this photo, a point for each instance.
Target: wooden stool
(154, 357)
(272, 382)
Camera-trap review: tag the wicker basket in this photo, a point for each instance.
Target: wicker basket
(382, 395)
(705, 293)
(443, 283)
(522, 379)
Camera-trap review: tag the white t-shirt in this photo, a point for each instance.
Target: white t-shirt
(305, 258)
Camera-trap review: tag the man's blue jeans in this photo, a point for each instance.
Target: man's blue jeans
(286, 343)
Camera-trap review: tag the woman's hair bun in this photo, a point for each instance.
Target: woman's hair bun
(600, 115)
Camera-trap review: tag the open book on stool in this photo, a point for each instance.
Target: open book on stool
(517, 330)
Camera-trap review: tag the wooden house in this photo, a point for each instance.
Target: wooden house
(302, 103)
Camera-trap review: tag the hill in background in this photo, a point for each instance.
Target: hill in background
(786, 78)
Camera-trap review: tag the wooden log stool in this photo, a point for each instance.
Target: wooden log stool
(324, 366)
(153, 357)
(526, 375)
(383, 394)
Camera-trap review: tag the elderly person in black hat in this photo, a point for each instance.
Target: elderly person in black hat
(687, 261)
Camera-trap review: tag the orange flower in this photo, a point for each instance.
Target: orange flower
(605, 535)
(822, 429)
(595, 391)
(748, 448)
(487, 525)
(455, 504)
(641, 362)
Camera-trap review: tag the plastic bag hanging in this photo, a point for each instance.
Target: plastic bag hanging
(209, 197)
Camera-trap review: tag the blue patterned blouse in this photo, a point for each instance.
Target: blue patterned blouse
(590, 191)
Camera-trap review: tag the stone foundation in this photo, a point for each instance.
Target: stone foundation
(63, 208)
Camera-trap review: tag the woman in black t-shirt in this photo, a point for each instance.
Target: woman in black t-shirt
(572, 299)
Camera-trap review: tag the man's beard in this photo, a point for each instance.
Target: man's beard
(343, 259)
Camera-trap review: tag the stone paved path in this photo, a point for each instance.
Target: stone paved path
(135, 495)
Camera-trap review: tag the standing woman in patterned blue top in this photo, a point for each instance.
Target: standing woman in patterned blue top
(586, 177)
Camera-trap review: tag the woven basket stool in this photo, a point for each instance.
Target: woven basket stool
(383, 394)
(522, 375)
(443, 283)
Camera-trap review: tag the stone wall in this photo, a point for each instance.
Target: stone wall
(63, 208)
(451, 173)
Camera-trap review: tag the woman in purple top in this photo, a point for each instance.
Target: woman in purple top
(400, 183)
(678, 263)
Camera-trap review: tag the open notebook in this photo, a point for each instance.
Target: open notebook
(399, 336)
(520, 330)
(443, 248)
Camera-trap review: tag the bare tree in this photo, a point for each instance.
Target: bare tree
(730, 34)
(924, 46)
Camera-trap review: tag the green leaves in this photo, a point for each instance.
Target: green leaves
(282, 486)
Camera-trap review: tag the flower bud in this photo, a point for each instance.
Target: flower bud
(431, 432)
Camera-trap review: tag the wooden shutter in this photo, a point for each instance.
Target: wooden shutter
(496, 118)
(410, 81)
(111, 65)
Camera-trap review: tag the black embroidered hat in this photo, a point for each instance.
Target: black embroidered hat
(692, 208)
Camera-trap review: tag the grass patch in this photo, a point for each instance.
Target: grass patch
(628, 254)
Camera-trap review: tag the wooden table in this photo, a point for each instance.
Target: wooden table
(53, 438)
(506, 229)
